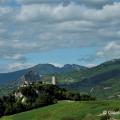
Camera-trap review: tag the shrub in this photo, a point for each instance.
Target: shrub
(105, 117)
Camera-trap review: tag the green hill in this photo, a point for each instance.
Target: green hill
(66, 110)
(104, 79)
(75, 77)
(98, 74)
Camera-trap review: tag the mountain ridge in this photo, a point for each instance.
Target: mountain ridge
(42, 69)
(75, 77)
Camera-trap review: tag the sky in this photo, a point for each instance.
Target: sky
(84, 32)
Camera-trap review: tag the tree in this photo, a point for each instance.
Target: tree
(44, 99)
(2, 108)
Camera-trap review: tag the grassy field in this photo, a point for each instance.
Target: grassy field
(66, 110)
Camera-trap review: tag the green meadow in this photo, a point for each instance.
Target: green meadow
(68, 110)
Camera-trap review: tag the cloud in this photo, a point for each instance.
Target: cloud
(47, 12)
(87, 58)
(91, 65)
(34, 28)
(111, 50)
(56, 64)
(56, 26)
(17, 66)
(5, 10)
(15, 57)
(90, 3)
(14, 67)
(96, 3)
(5, 1)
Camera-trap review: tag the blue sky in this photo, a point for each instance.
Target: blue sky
(84, 32)
(64, 56)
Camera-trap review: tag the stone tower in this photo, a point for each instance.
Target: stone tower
(53, 80)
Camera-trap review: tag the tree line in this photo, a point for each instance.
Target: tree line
(35, 96)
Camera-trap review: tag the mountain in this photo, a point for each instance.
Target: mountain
(41, 69)
(73, 67)
(29, 76)
(101, 81)
(44, 69)
(104, 79)
(102, 72)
